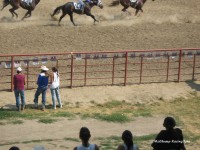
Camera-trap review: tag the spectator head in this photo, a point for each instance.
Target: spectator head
(14, 148)
(19, 69)
(84, 134)
(127, 137)
(169, 122)
(54, 69)
(44, 69)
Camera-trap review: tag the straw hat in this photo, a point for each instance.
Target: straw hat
(19, 69)
(44, 68)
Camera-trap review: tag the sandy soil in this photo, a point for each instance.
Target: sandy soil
(164, 24)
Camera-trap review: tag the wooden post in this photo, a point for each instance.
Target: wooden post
(126, 65)
(141, 65)
(12, 72)
(113, 70)
(167, 68)
(194, 65)
(72, 69)
(179, 67)
(85, 77)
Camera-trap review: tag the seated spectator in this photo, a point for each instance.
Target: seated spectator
(84, 135)
(169, 139)
(127, 137)
(14, 148)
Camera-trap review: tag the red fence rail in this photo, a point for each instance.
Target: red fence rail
(106, 68)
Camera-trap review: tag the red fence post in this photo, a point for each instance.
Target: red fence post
(27, 74)
(85, 78)
(12, 72)
(141, 65)
(167, 68)
(72, 69)
(126, 64)
(179, 67)
(194, 64)
(113, 70)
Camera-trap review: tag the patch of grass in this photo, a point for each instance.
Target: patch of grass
(113, 117)
(112, 104)
(72, 139)
(62, 114)
(16, 122)
(47, 120)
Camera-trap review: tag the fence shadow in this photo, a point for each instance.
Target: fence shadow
(193, 85)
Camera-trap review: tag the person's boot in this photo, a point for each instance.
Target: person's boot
(19, 108)
(23, 107)
(43, 107)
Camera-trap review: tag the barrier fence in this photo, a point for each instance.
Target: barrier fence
(105, 68)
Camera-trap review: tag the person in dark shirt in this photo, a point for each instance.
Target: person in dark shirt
(19, 82)
(14, 148)
(169, 139)
(42, 83)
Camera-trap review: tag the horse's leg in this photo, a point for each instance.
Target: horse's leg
(89, 14)
(12, 11)
(136, 12)
(72, 19)
(63, 15)
(124, 10)
(28, 14)
(4, 5)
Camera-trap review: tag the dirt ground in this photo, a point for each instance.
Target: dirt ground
(164, 24)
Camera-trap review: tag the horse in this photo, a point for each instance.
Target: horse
(136, 4)
(69, 8)
(20, 3)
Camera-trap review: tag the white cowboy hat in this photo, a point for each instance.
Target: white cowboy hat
(19, 69)
(44, 68)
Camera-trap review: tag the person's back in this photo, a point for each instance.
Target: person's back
(90, 147)
(84, 135)
(19, 81)
(169, 139)
(127, 137)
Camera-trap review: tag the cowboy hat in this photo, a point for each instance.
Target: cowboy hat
(44, 68)
(19, 69)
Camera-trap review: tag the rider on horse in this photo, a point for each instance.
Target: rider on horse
(134, 3)
(82, 3)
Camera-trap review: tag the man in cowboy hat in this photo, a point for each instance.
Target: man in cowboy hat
(42, 83)
(19, 82)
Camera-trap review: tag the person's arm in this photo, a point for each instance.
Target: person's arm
(96, 147)
(51, 78)
(24, 80)
(39, 79)
(120, 147)
(75, 148)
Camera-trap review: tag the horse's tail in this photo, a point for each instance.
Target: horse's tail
(57, 11)
(114, 3)
(5, 3)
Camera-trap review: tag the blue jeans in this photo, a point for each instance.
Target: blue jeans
(21, 93)
(55, 94)
(40, 90)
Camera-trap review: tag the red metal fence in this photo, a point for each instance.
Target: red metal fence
(105, 68)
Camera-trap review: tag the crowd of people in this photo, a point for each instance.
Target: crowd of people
(45, 80)
(169, 139)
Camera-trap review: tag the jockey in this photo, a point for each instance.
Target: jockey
(82, 4)
(134, 3)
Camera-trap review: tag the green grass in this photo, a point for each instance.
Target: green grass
(72, 139)
(16, 122)
(47, 120)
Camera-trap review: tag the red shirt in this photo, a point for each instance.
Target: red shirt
(19, 81)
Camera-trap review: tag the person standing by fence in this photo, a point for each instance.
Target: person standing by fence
(55, 83)
(42, 83)
(19, 82)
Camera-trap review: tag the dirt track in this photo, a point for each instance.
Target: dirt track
(171, 24)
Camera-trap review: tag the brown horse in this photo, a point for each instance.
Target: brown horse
(20, 3)
(69, 8)
(138, 4)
